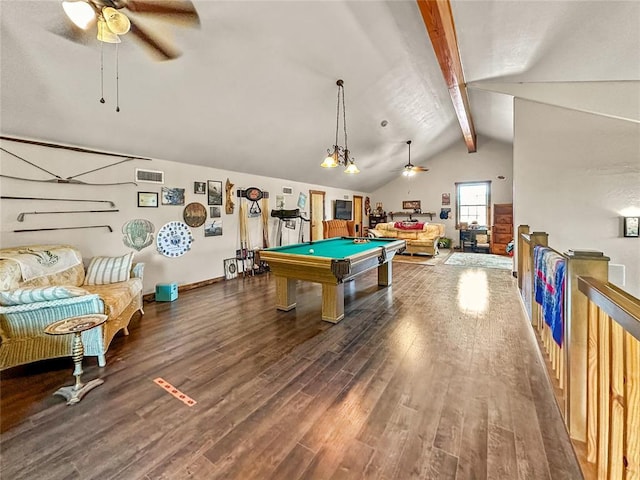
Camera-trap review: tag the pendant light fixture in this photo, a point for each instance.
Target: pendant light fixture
(338, 155)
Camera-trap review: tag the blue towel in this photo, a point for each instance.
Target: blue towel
(550, 273)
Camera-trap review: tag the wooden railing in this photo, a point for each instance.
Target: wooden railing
(613, 383)
(597, 367)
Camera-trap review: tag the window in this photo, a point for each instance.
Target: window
(473, 202)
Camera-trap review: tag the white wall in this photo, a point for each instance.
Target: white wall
(492, 159)
(203, 262)
(575, 176)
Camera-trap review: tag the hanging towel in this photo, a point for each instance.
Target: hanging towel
(550, 273)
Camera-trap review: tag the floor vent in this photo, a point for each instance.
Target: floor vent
(149, 176)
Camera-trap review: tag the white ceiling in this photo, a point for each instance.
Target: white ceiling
(254, 90)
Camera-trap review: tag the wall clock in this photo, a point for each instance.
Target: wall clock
(174, 239)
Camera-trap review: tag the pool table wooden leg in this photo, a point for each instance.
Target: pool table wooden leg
(332, 302)
(285, 293)
(385, 274)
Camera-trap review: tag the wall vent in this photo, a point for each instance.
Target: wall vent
(287, 190)
(149, 176)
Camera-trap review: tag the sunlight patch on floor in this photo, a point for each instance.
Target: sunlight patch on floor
(473, 291)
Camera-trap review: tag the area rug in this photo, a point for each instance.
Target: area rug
(423, 259)
(480, 260)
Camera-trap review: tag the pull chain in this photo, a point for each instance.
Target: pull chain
(117, 82)
(101, 72)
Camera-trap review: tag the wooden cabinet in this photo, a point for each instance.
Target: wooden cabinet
(376, 219)
(502, 229)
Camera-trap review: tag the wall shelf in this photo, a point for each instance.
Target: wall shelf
(411, 215)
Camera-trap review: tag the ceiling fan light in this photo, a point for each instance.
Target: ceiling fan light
(80, 13)
(117, 22)
(352, 169)
(104, 34)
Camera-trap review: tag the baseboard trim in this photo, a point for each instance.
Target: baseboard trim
(151, 297)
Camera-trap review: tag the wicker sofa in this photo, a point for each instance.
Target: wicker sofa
(420, 237)
(22, 324)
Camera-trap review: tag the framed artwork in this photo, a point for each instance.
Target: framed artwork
(200, 187)
(214, 192)
(411, 204)
(631, 226)
(446, 199)
(148, 199)
(230, 268)
(302, 201)
(214, 212)
(172, 196)
(279, 202)
(213, 229)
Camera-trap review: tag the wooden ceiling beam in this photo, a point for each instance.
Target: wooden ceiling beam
(438, 19)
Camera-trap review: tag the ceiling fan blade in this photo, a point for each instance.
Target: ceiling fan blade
(419, 169)
(162, 50)
(179, 10)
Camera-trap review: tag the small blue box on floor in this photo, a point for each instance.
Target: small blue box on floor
(166, 292)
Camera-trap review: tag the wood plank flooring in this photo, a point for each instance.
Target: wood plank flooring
(436, 377)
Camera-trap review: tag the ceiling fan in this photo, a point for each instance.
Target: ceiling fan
(409, 170)
(112, 22)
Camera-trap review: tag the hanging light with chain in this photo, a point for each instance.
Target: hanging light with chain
(338, 155)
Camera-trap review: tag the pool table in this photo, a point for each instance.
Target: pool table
(329, 262)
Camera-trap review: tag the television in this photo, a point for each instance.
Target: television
(343, 209)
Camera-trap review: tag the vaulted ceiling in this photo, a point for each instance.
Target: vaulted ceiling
(255, 87)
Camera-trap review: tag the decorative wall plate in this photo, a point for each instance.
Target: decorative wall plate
(174, 239)
(138, 233)
(195, 214)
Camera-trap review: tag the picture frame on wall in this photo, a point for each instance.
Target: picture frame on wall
(200, 188)
(411, 205)
(631, 226)
(148, 199)
(213, 229)
(214, 191)
(302, 201)
(214, 212)
(172, 196)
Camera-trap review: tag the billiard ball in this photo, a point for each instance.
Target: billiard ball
(311, 250)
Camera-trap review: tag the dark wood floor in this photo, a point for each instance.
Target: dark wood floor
(436, 377)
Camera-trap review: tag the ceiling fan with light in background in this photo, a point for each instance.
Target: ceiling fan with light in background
(409, 170)
(112, 22)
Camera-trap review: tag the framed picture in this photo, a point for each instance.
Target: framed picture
(631, 226)
(172, 196)
(302, 201)
(214, 212)
(148, 199)
(411, 204)
(215, 192)
(279, 202)
(200, 187)
(446, 199)
(213, 229)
